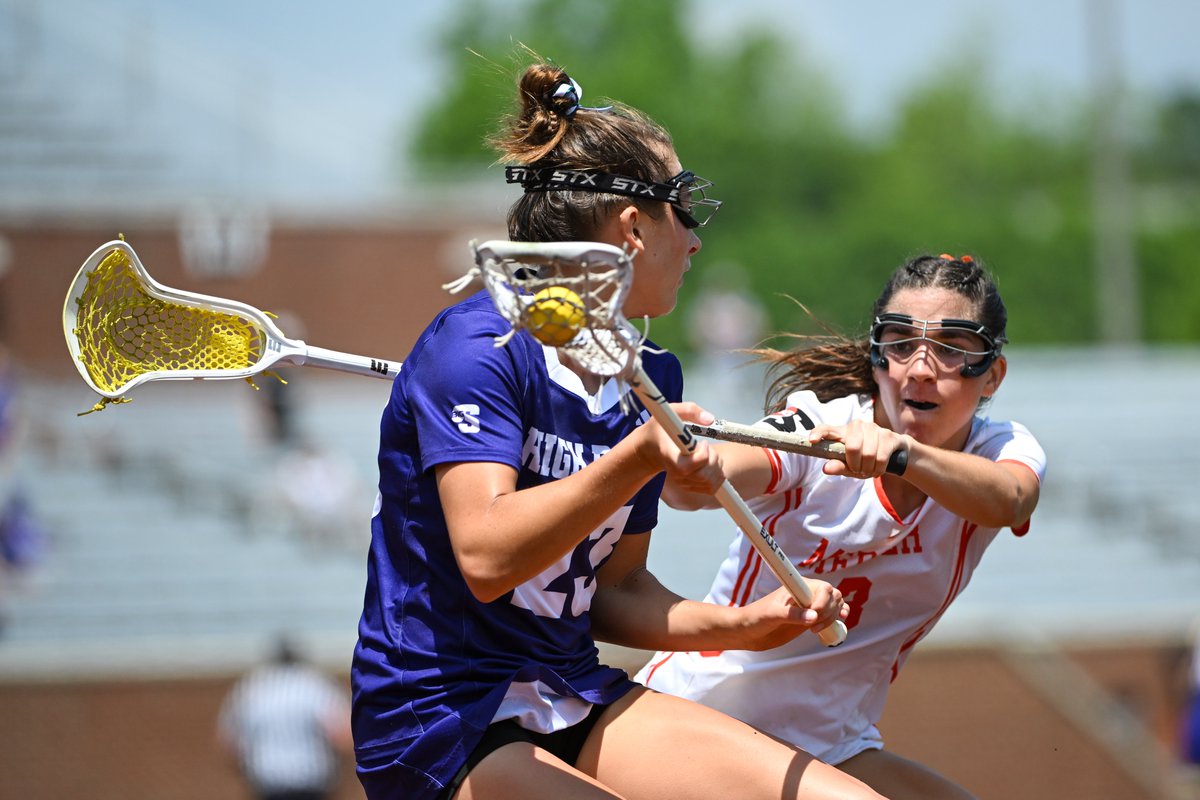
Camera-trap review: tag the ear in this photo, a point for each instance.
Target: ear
(629, 224)
(994, 376)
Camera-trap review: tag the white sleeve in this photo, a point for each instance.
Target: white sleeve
(803, 412)
(1009, 441)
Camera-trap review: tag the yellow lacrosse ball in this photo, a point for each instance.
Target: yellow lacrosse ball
(555, 315)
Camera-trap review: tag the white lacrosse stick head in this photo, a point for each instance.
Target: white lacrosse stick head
(569, 295)
(123, 328)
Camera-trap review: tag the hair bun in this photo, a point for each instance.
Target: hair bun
(564, 98)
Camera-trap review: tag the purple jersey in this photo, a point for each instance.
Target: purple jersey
(433, 663)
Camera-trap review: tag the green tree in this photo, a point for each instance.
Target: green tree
(819, 212)
(1168, 219)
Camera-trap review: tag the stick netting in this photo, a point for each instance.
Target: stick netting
(123, 332)
(607, 345)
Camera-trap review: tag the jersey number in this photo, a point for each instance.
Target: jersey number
(855, 591)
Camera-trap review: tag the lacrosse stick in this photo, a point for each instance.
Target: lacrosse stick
(570, 295)
(791, 441)
(124, 329)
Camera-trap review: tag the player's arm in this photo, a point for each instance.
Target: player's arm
(990, 493)
(502, 536)
(631, 608)
(745, 466)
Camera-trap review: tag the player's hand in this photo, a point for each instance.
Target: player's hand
(868, 447)
(698, 471)
(776, 619)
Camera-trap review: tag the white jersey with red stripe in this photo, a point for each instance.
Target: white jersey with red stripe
(898, 576)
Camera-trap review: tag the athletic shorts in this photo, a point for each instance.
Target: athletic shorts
(564, 745)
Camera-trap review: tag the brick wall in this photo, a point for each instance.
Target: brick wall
(964, 712)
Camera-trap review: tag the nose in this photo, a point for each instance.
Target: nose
(922, 365)
(694, 243)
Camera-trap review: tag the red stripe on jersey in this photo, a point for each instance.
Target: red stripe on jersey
(889, 508)
(749, 583)
(650, 674)
(752, 561)
(776, 469)
(968, 528)
(749, 572)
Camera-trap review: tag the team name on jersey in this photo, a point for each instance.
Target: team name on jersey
(554, 457)
(823, 562)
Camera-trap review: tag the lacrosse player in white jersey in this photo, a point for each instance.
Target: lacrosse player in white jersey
(900, 548)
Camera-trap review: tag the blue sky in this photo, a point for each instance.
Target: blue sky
(303, 99)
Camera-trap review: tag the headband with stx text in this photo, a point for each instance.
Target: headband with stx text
(684, 192)
(553, 178)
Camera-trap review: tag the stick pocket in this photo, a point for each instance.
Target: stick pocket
(568, 295)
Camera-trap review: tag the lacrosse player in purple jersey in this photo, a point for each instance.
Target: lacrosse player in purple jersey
(511, 532)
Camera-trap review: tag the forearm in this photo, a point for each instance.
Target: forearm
(512, 535)
(640, 612)
(982, 491)
(746, 467)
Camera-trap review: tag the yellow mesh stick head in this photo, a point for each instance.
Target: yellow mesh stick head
(122, 333)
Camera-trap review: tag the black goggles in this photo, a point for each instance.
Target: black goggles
(686, 193)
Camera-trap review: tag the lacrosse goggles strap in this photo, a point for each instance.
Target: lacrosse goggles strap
(685, 192)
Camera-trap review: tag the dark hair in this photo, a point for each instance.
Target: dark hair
(834, 365)
(286, 652)
(555, 131)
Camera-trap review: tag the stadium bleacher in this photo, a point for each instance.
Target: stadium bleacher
(164, 527)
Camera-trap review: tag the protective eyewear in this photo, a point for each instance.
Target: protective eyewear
(694, 207)
(954, 344)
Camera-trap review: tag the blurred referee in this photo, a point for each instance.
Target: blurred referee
(286, 723)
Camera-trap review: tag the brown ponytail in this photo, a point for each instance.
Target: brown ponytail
(554, 130)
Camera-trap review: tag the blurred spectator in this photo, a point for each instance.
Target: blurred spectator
(288, 726)
(22, 538)
(318, 490)
(725, 318)
(1190, 750)
(279, 408)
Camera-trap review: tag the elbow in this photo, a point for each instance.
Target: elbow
(485, 578)
(486, 593)
(1011, 513)
(685, 501)
(485, 586)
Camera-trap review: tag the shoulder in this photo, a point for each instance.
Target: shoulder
(811, 411)
(664, 369)
(467, 332)
(1006, 440)
(658, 358)
(474, 316)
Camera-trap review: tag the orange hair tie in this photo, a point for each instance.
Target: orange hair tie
(963, 259)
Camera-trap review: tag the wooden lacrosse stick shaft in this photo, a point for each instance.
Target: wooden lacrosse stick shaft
(727, 431)
(733, 503)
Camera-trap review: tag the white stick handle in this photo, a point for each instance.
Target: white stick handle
(309, 356)
(793, 442)
(733, 503)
